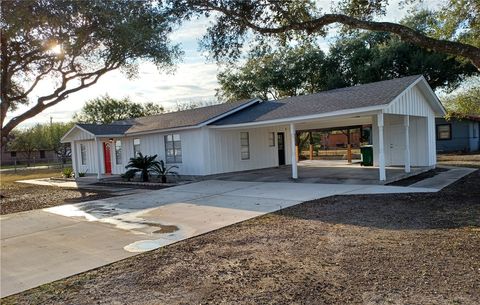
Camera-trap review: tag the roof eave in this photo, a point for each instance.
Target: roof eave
(369, 110)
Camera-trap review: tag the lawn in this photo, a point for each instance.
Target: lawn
(18, 197)
(467, 160)
(375, 249)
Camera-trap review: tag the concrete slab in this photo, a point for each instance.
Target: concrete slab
(444, 179)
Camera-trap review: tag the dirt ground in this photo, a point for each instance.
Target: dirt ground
(375, 249)
(18, 197)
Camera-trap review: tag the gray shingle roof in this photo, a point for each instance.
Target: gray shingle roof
(101, 129)
(372, 94)
(184, 118)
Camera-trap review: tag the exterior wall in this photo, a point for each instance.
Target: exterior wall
(90, 166)
(411, 102)
(419, 143)
(153, 144)
(464, 136)
(222, 149)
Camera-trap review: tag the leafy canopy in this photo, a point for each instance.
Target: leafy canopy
(68, 45)
(106, 109)
(354, 59)
(454, 31)
(464, 103)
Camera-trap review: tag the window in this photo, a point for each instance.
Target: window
(83, 154)
(136, 147)
(173, 148)
(13, 154)
(118, 152)
(475, 129)
(244, 146)
(271, 139)
(42, 154)
(444, 132)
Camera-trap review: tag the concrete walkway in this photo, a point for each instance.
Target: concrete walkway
(41, 246)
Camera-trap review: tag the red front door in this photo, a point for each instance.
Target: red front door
(106, 157)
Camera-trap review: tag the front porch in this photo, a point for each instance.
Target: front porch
(321, 171)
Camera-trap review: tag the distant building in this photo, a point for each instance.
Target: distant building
(457, 134)
(39, 156)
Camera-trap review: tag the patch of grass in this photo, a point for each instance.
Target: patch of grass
(8, 178)
(465, 160)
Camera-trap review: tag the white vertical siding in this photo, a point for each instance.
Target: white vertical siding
(411, 102)
(91, 162)
(223, 149)
(153, 144)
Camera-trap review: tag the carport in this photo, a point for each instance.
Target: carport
(401, 114)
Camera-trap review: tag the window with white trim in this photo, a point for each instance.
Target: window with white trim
(118, 152)
(136, 147)
(83, 154)
(271, 139)
(173, 148)
(244, 146)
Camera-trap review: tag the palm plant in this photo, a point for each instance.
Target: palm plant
(162, 170)
(143, 164)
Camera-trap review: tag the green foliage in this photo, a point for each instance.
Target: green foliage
(106, 109)
(41, 137)
(129, 175)
(27, 141)
(68, 45)
(143, 164)
(67, 172)
(354, 59)
(237, 24)
(162, 171)
(465, 102)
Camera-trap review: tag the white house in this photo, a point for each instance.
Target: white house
(256, 134)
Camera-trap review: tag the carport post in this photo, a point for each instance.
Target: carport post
(293, 137)
(381, 148)
(99, 158)
(406, 123)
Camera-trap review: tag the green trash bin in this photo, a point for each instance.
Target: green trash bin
(367, 155)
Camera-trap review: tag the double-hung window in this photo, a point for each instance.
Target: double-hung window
(271, 139)
(118, 152)
(136, 147)
(444, 132)
(83, 154)
(244, 146)
(173, 148)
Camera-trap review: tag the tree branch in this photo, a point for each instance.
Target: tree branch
(405, 33)
(57, 96)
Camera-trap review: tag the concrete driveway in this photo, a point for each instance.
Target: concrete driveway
(41, 246)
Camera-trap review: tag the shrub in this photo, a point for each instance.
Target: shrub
(163, 170)
(129, 175)
(143, 164)
(67, 172)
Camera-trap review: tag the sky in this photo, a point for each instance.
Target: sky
(194, 79)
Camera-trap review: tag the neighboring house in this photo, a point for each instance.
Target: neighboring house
(38, 156)
(458, 134)
(256, 134)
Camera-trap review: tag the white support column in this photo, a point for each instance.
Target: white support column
(99, 158)
(73, 150)
(406, 123)
(381, 148)
(294, 157)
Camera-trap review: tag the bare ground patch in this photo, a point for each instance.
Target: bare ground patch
(19, 197)
(381, 249)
